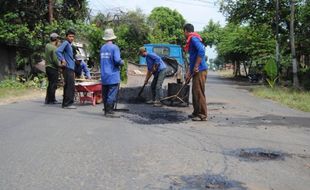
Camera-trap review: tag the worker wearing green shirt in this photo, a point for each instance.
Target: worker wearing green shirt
(52, 66)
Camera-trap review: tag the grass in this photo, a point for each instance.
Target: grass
(10, 92)
(293, 98)
(9, 95)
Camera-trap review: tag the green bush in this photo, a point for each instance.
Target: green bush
(124, 76)
(271, 71)
(11, 83)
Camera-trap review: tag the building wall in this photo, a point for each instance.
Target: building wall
(7, 61)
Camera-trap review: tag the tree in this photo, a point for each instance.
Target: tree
(292, 37)
(263, 12)
(232, 46)
(132, 32)
(166, 26)
(211, 33)
(25, 24)
(130, 28)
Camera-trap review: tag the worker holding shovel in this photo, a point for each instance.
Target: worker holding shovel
(157, 68)
(198, 71)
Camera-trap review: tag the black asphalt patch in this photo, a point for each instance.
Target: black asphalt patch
(257, 154)
(159, 116)
(204, 181)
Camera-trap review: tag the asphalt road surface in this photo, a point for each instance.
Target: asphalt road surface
(247, 143)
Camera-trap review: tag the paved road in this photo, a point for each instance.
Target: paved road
(49, 148)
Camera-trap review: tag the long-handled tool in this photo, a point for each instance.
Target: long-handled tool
(115, 105)
(176, 96)
(141, 90)
(148, 78)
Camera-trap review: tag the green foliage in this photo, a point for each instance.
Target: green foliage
(132, 33)
(92, 35)
(166, 26)
(11, 83)
(21, 82)
(129, 27)
(71, 10)
(14, 34)
(25, 24)
(260, 17)
(211, 33)
(124, 69)
(233, 44)
(271, 70)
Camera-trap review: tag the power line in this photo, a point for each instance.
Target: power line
(199, 3)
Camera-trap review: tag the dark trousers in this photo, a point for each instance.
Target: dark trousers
(69, 87)
(52, 76)
(198, 93)
(109, 95)
(157, 85)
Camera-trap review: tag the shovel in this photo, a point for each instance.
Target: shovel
(115, 105)
(141, 90)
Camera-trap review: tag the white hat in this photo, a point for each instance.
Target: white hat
(109, 34)
(54, 35)
(79, 57)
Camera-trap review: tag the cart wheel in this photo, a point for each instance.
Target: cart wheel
(98, 99)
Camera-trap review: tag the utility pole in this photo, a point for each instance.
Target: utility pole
(50, 11)
(277, 38)
(293, 51)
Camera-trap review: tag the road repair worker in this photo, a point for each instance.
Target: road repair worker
(65, 55)
(81, 70)
(52, 67)
(198, 71)
(110, 61)
(157, 67)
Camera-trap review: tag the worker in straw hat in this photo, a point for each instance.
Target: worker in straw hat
(110, 61)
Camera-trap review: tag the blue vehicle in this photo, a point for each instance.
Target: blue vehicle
(171, 55)
(164, 50)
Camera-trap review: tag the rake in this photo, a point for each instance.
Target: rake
(177, 95)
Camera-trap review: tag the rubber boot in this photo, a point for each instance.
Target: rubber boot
(109, 111)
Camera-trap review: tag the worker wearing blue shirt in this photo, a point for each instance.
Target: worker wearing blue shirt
(157, 67)
(110, 62)
(198, 71)
(81, 67)
(65, 55)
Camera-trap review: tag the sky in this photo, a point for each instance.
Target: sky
(196, 12)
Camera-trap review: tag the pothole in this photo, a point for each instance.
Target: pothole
(258, 154)
(204, 181)
(158, 117)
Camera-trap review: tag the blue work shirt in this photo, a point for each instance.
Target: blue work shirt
(65, 52)
(110, 62)
(82, 67)
(196, 48)
(151, 60)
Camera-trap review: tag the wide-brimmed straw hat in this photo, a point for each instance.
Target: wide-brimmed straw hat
(109, 34)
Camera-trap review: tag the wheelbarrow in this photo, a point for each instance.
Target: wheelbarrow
(89, 91)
